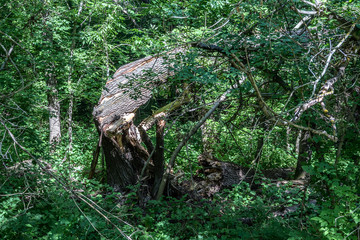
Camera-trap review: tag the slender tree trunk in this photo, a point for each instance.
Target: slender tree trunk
(71, 96)
(70, 121)
(304, 154)
(52, 92)
(54, 111)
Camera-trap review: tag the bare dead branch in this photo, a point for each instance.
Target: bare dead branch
(324, 91)
(184, 141)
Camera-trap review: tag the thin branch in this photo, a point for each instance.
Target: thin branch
(330, 56)
(325, 91)
(184, 141)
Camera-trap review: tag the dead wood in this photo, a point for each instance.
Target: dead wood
(216, 175)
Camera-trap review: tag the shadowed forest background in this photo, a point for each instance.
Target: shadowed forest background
(160, 119)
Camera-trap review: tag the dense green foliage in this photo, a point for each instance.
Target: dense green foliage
(45, 193)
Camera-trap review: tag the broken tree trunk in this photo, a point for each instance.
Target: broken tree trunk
(130, 88)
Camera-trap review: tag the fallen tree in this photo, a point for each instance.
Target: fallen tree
(128, 162)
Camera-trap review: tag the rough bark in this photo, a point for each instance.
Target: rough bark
(52, 92)
(130, 88)
(54, 111)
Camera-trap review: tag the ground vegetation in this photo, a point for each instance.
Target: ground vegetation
(163, 119)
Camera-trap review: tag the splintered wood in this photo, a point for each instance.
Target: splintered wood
(130, 88)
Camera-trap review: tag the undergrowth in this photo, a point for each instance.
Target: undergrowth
(36, 206)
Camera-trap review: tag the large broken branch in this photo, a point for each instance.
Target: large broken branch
(130, 88)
